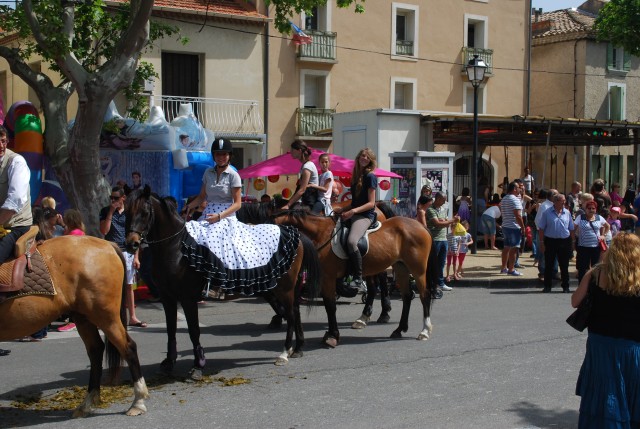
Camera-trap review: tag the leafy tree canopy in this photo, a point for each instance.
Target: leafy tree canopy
(285, 9)
(619, 23)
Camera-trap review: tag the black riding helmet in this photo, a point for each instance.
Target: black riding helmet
(221, 145)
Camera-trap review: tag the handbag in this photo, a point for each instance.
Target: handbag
(579, 319)
(601, 243)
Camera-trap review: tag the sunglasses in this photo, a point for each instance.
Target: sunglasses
(114, 198)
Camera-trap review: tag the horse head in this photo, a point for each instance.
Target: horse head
(139, 217)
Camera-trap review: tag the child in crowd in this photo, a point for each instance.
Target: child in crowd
(453, 250)
(465, 241)
(73, 222)
(325, 184)
(464, 202)
(614, 218)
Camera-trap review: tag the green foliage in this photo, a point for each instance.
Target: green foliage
(97, 28)
(285, 9)
(619, 23)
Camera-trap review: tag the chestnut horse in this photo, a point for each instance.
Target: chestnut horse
(88, 275)
(400, 242)
(153, 220)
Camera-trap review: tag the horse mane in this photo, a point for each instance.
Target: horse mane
(386, 210)
(255, 212)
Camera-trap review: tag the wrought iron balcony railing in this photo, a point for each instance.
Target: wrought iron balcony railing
(322, 47)
(216, 114)
(404, 47)
(484, 54)
(311, 120)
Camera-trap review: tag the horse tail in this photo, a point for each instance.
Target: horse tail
(386, 210)
(311, 268)
(432, 270)
(114, 359)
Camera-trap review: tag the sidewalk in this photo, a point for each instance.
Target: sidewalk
(483, 270)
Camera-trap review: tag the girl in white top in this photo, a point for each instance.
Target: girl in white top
(325, 184)
(306, 192)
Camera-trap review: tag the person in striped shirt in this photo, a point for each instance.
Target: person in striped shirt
(512, 228)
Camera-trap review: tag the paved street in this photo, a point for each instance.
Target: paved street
(500, 357)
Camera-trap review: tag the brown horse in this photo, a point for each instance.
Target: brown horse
(400, 242)
(150, 218)
(88, 275)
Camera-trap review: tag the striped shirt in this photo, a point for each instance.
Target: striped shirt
(508, 205)
(464, 247)
(587, 237)
(453, 241)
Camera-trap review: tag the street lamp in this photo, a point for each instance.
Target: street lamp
(475, 73)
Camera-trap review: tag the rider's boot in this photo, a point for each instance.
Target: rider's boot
(355, 258)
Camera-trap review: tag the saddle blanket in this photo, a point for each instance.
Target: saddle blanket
(339, 239)
(36, 282)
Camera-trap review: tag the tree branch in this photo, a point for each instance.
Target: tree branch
(37, 81)
(137, 35)
(69, 64)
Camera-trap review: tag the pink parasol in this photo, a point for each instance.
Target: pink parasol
(286, 165)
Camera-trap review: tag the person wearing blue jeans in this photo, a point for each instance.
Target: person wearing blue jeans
(512, 228)
(437, 223)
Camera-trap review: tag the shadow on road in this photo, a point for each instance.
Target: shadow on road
(535, 416)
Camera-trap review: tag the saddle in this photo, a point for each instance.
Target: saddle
(12, 271)
(341, 234)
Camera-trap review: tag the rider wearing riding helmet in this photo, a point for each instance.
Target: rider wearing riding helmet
(232, 254)
(306, 192)
(361, 212)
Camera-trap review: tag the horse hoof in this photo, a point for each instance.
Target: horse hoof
(195, 374)
(166, 366)
(359, 324)
(384, 318)
(423, 337)
(297, 354)
(79, 413)
(396, 334)
(136, 411)
(281, 361)
(331, 342)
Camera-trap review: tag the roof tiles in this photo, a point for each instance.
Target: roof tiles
(232, 8)
(563, 22)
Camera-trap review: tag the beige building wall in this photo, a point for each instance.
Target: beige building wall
(362, 76)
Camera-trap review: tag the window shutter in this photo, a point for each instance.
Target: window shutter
(627, 62)
(610, 64)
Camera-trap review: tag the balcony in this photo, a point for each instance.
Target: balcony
(311, 120)
(404, 47)
(218, 115)
(321, 49)
(484, 54)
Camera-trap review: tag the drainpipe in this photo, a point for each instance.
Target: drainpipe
(265, 83)
(527, 106)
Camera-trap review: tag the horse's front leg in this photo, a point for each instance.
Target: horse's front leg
(190, 308)
(402, 276)
(425, 298)
(170, 307)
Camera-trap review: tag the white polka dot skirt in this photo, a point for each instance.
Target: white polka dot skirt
(237, 257)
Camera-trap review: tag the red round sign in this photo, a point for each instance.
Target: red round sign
(385, 185)
(286, 193)
(274, 178)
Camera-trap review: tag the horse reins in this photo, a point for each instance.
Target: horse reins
(332, 235)
(143, 235)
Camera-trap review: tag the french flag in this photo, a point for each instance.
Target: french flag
(299, 36)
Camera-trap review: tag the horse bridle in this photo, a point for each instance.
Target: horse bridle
(143, 234)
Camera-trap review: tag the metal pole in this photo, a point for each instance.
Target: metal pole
(474, 173)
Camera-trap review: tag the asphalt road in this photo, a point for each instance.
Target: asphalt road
(498, 358)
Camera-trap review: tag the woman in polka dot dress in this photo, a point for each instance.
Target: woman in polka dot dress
(235, 256)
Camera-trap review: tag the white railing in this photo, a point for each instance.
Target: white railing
(216, 114)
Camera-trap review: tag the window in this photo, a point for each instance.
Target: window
(617, 102)
(314, 89)
(404, 35)
(617, 59)
(476, 31)
(467, 106)
(403, 93)
(319, 19)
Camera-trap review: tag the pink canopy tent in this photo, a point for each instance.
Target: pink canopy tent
(285, 165)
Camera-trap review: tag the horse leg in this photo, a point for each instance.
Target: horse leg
(385, 299)
(95, 349)
(171, 318)
(361, 322)
(425, 298)
(276, 320)
(332, 336)
(402, 275)
(190, 307)
(297, 351)
(120, 345)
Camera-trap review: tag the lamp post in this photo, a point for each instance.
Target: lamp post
(475, 73)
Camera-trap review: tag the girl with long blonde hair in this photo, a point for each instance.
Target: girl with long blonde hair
(361, 213)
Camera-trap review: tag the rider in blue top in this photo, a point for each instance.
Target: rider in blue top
(361, 212)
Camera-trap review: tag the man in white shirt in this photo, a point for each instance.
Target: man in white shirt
(529, 182)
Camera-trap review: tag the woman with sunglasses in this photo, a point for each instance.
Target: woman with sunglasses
(590, 229)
